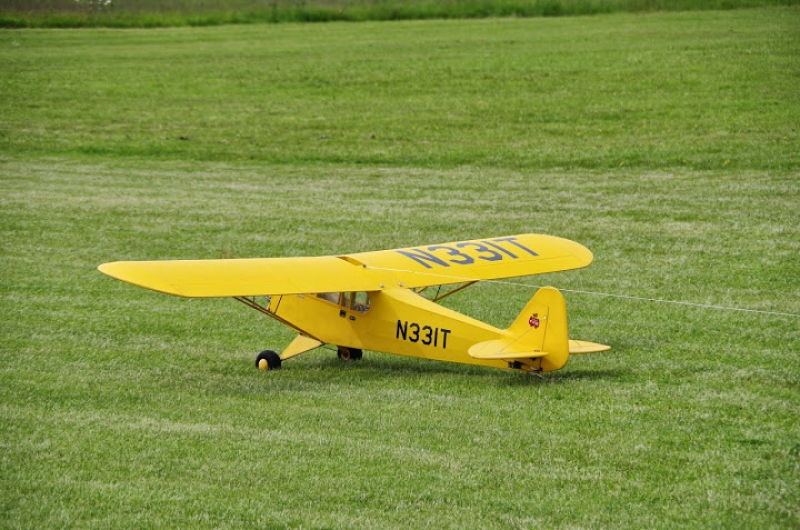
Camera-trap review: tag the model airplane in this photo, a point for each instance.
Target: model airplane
(373, 300)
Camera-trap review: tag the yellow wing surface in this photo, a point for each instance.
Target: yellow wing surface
(243, 277)
(461, 261)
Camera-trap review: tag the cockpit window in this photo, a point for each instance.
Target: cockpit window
(360, 302)
(330, 297)
(355, 301)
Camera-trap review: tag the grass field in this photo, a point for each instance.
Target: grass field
(171, 13)
(666, 143)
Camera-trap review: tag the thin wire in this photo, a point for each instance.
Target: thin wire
(611, 295)
(661, 300)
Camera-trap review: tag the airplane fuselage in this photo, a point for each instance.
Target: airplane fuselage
(398, 321)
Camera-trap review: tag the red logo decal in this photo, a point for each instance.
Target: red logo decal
(534, 320)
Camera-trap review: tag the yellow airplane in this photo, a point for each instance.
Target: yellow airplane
(374, 301)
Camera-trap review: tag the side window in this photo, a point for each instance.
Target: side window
(354, 301)
(360, 302)
(330, 297)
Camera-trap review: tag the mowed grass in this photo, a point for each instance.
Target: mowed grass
(693, 90)
(125, 408)
(171, 13)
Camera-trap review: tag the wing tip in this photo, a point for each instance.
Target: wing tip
(577, 250)
(131, 272)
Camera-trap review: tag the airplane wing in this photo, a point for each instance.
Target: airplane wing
(462, 261)
(243, 277)
(478, 259)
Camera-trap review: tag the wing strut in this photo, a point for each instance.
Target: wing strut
(448, 293)
(453, 291)
(252, 303)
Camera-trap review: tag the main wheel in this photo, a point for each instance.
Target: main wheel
(349, 354)
(268, 360)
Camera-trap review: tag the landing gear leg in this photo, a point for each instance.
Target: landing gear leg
(349, 354)
(268, 360)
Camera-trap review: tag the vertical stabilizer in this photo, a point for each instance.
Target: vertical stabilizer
(538, 337)
(542, 325)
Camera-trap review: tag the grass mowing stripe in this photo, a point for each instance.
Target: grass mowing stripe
(701, 91)
(124, 406)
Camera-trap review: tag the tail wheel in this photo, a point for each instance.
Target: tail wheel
(268, 360)
(349, 354)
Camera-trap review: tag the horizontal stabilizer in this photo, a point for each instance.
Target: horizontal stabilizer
(501, 349)
(584, 346)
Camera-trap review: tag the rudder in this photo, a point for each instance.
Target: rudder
(539, 332)
(547, 309)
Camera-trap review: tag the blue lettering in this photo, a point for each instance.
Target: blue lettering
(420, 256)
(465, 260)
(501, 249)
(513, 241)
(492, 255)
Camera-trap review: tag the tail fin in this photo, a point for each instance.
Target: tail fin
(540, 331)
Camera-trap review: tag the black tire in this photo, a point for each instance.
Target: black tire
(349, 354)
(272, 358)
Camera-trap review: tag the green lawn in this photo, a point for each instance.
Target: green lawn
(172, 13)
(666, 143)
(699, 90)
